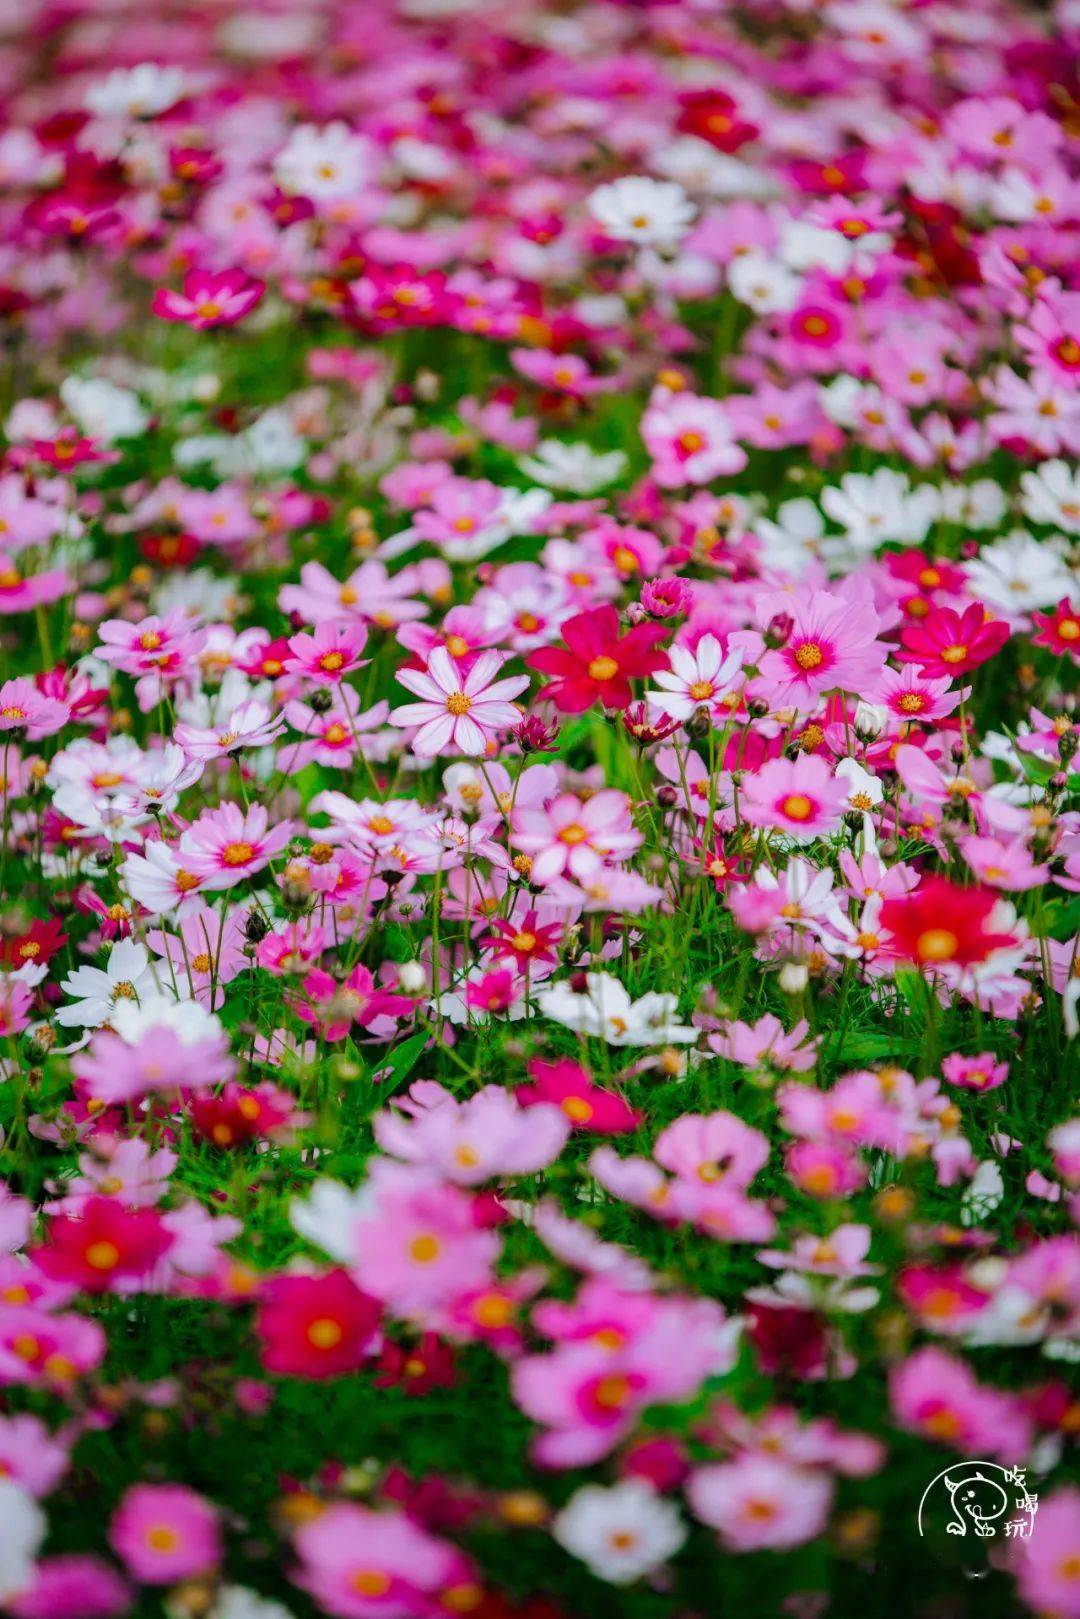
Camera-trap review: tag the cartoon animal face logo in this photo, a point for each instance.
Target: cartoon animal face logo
(976, 1500)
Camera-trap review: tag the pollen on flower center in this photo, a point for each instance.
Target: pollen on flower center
(524, 942)
(573, 834)
(123, 991)
(102, 1255)
(237, 854)
(797, 807)
(809, 655)
(331, 661)
(370, 1582)
(162, 1537)
(458, 703)
(425, 1248)
(603, 668)
(612, 1392)
(912, 702)
(936, 944)
(955, 653)
(701, 690)
(324, 1333)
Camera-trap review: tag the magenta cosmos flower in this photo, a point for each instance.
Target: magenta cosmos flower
(463, 711)
(210, 298)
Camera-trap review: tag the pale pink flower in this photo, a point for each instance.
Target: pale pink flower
(458, 710)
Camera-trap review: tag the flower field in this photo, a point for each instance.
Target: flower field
(540, 852)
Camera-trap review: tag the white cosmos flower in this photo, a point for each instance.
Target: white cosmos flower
(22, 1529)
(621, 1531)
(793, 541)
(137, 92)
(1052, 495)
(702, 677)
(97, 991)
(1019, 573)
(575, 467)
(978, 505)
(606, 1011)
(762, 283)
(879, 506)
(328, 164)
(189, 1021)
(328, 1216)
(102, 409)
(864, 788)
(237, 1602)
(655, 213)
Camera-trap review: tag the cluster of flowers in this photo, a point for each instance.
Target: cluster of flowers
(540, 856)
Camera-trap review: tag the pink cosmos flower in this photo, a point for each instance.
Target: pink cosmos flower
(713, 1148)
(165, 1533)
(461, 711)
(419, 1243)
(327, 656)
(226, 845)
(360, 1564)
(23, 708)
(369, 594)
(798, 796)
(1046, 1566)
(210, 298)
(831, 646)
(469, 1142)
(979, 1073)
(690, 440)
(757, 1503)
(1006, 865)
(764, 1044)
(30, 1455)
(937, 1395)
(574, 836)
(164, 647)
(250, 725)
(21, 593)
(913, 697)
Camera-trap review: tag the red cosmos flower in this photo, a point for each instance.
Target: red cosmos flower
(210, 298)
(104, 1243)
(720, 867)
(598, 664)
(238, 1115)
(1060, 630)
(416, 1368)
(713, 116)
(526, 941)
(948, 643)
(939, 922)
(170, 550)
(587, 1106)
(789, 1341)
(39, 944)
(315, 1326)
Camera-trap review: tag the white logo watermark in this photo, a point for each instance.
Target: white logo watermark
(978, 1499)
